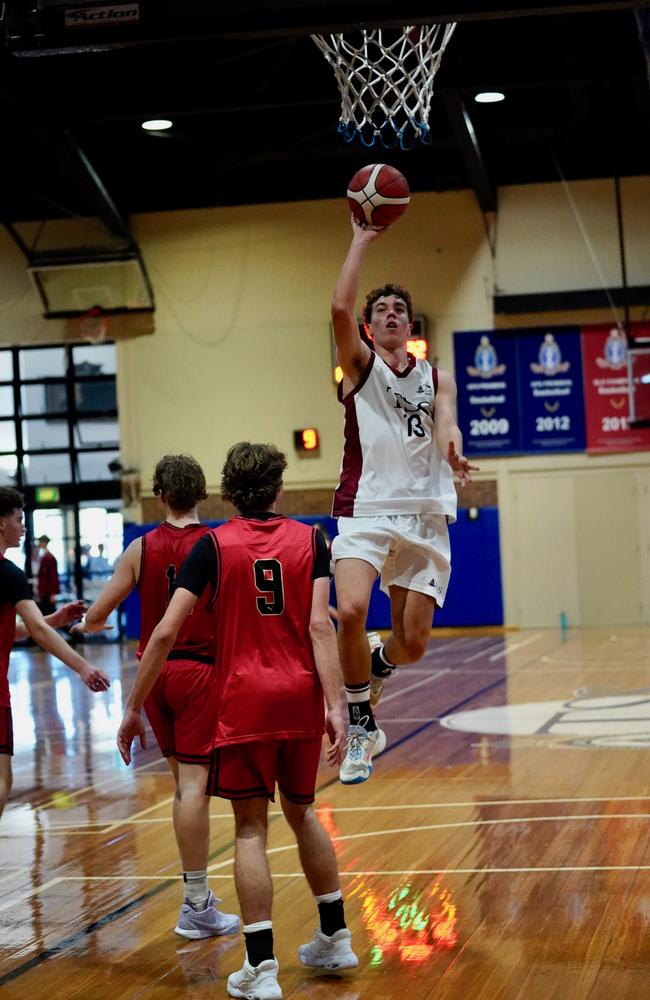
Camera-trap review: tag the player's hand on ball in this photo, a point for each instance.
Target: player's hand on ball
(460, 465)
(365, 233)
(132, 726)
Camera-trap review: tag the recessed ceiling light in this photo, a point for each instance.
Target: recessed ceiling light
(489, 97)
(157, 124)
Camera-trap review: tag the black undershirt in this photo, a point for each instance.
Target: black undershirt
(13, 584)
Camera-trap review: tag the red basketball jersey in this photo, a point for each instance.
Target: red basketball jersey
(163, 553)
(267, 679)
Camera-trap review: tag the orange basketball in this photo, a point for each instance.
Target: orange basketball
(378, 194)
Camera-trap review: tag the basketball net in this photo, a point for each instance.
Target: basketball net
(93, 325)
(386, 81)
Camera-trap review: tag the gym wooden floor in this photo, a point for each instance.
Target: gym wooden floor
(500, 854)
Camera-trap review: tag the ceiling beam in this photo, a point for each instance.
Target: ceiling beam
(461, 125)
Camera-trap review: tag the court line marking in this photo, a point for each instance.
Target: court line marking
(481, 652)
(417, 684)
(510, 649)
(348, 873)
(28, 895)
(102, 784)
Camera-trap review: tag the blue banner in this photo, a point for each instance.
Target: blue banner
(552, 409)
(486, 377)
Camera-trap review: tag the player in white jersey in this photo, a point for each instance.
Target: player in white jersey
(395, 495)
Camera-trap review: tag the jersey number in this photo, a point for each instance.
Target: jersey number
(268, 580)
(414, 425)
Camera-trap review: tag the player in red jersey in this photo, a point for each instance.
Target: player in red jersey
(277, 656)
(16, 596)
(180, 704)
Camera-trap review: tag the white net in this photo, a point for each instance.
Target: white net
(386, 81)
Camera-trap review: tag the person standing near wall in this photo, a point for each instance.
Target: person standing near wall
(395, 494)
(16, 597)
(47, 579)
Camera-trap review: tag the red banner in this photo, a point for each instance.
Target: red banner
(606, 390)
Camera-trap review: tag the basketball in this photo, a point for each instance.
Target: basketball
(378, 194)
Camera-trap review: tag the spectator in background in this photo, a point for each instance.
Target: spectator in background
(47, 580)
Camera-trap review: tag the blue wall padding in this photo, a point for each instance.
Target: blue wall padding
(474, 596)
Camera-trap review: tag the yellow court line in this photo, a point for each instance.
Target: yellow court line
(28, 895)
(53, 804)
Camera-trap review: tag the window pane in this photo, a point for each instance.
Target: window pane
(7, 435)
(6, 401)
(39, 399)
(99, 395)
(89, 433)
(6, 366)
(94, 359)
(94, 464)
(8, 470)
(40, 469)
(38, 434)
(43, 362)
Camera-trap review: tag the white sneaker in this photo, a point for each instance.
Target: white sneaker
(333, 952)
(375, 641)
(258, 983)
(362, 747)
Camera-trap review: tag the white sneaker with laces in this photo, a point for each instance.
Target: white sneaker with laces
(362, 747)
(256, 983)
(333, 952)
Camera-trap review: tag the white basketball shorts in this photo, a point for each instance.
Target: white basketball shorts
(408, 550)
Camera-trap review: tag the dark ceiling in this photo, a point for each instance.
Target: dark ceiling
(255, 106)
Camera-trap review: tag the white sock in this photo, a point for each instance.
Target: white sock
(196, 889)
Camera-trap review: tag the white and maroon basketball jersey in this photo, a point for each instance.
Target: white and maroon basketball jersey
(391, 460)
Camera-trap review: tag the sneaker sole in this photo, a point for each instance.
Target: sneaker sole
(333, 966)
(356, 781)
(234, 992)
(197, 935)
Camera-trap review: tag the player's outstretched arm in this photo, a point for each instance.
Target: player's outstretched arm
(67, 613)
(153, 659)
(352, 353)
(323, 640)
(448, 435)
(49, 640)
(113, 593)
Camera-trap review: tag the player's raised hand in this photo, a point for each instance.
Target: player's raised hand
(460, 465)
(337, 733)
(94, 678)
(363, 233)
(131, 726)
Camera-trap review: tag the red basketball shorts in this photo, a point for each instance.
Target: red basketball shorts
(249, 770)
(181, 710)
(6, 731)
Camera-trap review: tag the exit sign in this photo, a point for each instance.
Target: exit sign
(47, 494)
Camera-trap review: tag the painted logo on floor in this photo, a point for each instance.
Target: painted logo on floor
(621, 720)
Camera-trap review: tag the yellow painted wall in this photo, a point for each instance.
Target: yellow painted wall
(242, 350)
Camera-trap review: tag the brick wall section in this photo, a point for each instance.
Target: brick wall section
(480, 494)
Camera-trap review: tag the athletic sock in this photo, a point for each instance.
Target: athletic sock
(358, 698)
(196, 889)
(332, 916)
(381, 665)
(259, 942)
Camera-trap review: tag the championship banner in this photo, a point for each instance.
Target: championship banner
(607, 401)
(486, 377)
(550, 389)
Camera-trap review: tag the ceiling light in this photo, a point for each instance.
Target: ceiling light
(489, 97)
(157, 124)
